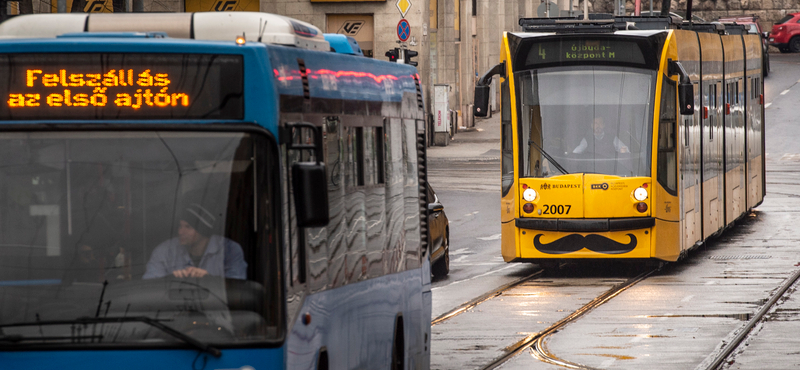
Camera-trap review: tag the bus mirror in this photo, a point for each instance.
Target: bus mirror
(481, 101)
(310, 188)
(686, 98)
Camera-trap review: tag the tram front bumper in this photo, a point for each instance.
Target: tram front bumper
(585, 238)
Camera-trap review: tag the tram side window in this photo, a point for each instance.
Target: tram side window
(507, 138)
(667, 169)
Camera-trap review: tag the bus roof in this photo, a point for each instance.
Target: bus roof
(220, 26)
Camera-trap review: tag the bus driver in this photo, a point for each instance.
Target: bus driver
(195, 252)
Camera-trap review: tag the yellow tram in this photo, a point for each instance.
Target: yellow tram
(626, 137)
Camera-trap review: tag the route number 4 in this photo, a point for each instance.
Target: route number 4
(541, 52)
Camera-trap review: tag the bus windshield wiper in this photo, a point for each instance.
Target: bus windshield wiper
(549, 158)
(105, 320)
(15, 338)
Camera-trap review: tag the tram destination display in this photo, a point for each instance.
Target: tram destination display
(122, 86)
(586, 50)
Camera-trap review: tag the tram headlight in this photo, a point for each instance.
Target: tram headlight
(529, 195)
(640, 194)
(641, 207)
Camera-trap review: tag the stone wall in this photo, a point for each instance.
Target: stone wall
(768, 11)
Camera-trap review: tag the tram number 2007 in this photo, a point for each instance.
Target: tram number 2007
(556, 209)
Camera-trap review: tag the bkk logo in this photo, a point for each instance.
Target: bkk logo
(225, 5)
(603, 186)
(351, 28)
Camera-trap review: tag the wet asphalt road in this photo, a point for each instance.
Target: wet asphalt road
(676, 319)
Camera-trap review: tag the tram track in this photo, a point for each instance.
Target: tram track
(535, 342)
(483, 298)
(745, 331)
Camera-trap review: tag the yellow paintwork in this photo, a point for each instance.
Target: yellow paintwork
(666, 240)
(674, 232)
(642, 249)
(585, 195)
(509, 207)
(508, 243)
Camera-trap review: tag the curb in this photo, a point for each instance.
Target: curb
(463, 159)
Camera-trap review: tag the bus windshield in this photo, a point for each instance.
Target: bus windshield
(140, 227)
(587, 119)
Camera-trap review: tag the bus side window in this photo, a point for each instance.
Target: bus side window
(667, 165)
(507, 138)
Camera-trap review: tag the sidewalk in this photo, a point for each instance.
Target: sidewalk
(480, 143)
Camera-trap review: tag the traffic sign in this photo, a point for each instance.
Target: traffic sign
(403, 30)
(403, 6)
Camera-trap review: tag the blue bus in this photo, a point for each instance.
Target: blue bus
(209, 191)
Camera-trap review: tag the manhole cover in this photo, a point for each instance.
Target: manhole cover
(743, 257)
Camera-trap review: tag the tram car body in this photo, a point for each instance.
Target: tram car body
(627, 144)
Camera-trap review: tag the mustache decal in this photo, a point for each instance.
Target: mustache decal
(574, 242)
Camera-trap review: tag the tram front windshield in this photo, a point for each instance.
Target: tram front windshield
(127, 238)
(585, 119)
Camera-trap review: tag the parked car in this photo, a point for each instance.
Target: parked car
(438, 235)
(785, 34)
(752, 26)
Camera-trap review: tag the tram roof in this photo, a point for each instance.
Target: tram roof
(634, 33)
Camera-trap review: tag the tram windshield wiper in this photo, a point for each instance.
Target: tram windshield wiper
(549, 158)
(106, 320)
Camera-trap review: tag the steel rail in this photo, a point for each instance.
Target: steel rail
(536, 341)
(743, 334)
(483, 298)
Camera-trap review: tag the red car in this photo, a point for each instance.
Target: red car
(785, 34)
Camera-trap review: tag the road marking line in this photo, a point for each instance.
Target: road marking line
(607, 363)
(785, 92)
(767, 106)
(493, 237)
(478, 276)
(687, 298)
(710, 282)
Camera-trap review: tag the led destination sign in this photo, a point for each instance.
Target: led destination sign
(121, 86)
(570, 50)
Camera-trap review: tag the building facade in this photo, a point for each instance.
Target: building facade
(457, 40)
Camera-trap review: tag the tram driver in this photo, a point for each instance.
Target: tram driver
(196, 251)
(600, 144)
